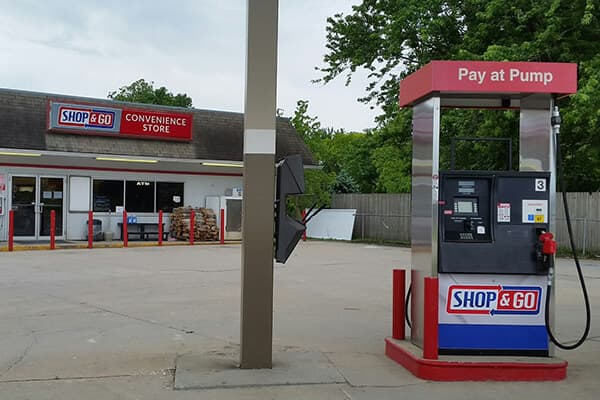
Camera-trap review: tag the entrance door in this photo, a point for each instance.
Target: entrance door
(33, 198)
(50, 198)
(24, 191)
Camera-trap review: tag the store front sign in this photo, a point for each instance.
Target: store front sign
(115, 121)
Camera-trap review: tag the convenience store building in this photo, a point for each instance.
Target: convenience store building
(72, 155)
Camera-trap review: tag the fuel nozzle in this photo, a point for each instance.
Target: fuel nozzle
(549, 244)
(545, 248)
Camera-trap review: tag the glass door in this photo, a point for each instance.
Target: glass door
(33, 198)
(50, 198)
(24, 206)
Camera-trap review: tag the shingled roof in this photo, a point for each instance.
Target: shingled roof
(216, 135)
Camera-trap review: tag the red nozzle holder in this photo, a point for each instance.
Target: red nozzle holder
(547, 239)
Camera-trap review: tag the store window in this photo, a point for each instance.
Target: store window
(169, 195)
(139, 196)
(107, 195)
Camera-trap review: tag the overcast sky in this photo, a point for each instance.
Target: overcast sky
(88, 48)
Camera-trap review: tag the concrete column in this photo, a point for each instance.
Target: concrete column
(256, 336)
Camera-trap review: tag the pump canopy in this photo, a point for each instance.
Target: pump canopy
(487, 84)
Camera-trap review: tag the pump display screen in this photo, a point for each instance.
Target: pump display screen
(465, 206)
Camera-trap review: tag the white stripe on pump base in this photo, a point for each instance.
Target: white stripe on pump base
(259, 141)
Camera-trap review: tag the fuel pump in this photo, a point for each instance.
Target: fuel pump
(482, 253)
(496, 222)
(489, 268)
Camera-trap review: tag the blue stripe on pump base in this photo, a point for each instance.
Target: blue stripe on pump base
(493, 337)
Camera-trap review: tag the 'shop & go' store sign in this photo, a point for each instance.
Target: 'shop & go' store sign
(115, 121)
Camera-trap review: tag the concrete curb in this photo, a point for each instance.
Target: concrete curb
(111, 245)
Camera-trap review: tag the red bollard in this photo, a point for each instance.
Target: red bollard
(398, 304)
(11, 229)
(303, 218)
(430, 318)
(160, 227)
(222, 228)
(192, 226)
(125, 234)
(52, 229)
(90, 229)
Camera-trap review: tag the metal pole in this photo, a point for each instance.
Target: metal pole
(256, 328)
(398, 305)
(125, 233)
(192, 226)
(160, 227)
(222, 230)
(90, 229)
(11, 230)
(52, 230)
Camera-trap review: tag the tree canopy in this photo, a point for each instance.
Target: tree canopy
(391, 39)
(142, 91)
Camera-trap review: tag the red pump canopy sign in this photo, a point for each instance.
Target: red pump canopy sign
(473, 77)
(92, 119)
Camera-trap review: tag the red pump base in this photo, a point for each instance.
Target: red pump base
(468, 368)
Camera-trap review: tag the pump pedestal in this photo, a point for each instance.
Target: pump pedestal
(473, 368)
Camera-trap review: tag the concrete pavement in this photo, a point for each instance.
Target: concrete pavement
(110, 324)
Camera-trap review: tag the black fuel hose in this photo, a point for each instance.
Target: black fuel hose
(406, 305)
(577, 264)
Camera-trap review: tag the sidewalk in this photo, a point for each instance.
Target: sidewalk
(83, 244)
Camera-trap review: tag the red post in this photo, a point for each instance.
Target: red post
(125, 234)
(222, 228)
(303, 218)
(90, 229)
(160, 227)
(11, 229)
(430, 319)
(398, 305)
(52, 229)
(192, 226)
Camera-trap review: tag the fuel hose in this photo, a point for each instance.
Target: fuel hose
(559, 163)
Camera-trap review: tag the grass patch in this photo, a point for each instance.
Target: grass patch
(565, 252)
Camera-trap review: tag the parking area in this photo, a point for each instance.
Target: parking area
(110, 323)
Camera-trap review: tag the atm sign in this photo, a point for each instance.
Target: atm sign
(493, 299)
(86, 117)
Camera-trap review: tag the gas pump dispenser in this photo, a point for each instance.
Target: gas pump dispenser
(491, 278)
(481, 241)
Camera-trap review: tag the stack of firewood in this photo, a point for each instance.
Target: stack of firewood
(205, 227)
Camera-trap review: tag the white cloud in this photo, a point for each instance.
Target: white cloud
(89, 48)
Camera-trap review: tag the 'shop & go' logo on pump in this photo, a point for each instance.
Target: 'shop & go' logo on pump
(490, 299)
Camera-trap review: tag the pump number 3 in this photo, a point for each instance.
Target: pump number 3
(540, 185)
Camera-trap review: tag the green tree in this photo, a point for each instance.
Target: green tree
(391, 39)
(142, 91)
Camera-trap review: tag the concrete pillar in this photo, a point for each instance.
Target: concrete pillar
(256, 333)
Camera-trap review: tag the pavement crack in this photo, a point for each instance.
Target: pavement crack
(346, 394)
(120, 314)
(70, 378)
(21, 356)
(337, 369)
